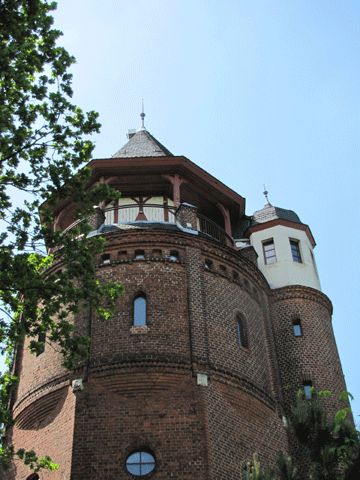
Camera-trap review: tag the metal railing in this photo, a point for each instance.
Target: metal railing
(212, 229)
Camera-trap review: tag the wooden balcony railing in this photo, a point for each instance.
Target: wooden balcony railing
(152, 213)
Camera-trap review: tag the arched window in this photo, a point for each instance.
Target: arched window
(139, 310)
(308, 389)
(296, 327)
(33, 476)
(241, 332)
(245, 473)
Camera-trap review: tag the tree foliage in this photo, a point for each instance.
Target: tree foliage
(331, 446)
(46, 277)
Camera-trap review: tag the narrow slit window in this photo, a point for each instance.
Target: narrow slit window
(269, 252)
(308, 390)
(208, 264)
(245, 473)
(295, 250)
(139, 311)
(241, 333)
(41, 339)
(297, 328)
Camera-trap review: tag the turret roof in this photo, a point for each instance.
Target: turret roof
(142, 144)
(269, 213)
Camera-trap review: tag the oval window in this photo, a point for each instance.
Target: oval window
(140, 463)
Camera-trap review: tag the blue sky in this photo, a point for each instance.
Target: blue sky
(254, 92)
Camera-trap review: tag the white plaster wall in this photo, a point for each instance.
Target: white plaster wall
(285, 271)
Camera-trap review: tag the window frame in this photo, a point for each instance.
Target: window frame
(267, 258)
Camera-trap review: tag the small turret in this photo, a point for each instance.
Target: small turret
(284, 246)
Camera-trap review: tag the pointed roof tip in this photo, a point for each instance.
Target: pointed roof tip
(269, 212)
(142, 144)
(142, 116)
(266, 193)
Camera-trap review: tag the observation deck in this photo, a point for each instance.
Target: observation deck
(184, 218)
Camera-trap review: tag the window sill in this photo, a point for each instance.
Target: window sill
(139, 330)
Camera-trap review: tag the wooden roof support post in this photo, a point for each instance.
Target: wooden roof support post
(176, 181)
(227, 221)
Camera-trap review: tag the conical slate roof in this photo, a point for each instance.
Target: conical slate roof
(273, 213)
(142, 144)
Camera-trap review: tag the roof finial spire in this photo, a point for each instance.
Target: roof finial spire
(142, 115)
(266, 193)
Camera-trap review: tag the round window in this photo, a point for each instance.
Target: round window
(140, 463)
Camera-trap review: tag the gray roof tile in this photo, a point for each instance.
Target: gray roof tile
(272, 213)
(142, 144)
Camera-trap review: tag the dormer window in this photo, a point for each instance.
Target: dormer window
(295, 250)
(269, 251)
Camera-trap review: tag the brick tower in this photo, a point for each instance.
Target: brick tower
(221, 322)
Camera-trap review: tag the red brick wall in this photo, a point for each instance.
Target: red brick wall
(123, 412)
(140, 383)
(47, 426)
(239, 425)
(312, 356)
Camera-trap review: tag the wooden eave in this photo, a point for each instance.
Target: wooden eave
(286, 223)
(195, 175)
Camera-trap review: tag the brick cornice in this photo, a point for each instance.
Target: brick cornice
(153, 237)
(299, 291)
(40, 391)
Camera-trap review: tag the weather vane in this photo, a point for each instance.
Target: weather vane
(266, 193)
(142, 115)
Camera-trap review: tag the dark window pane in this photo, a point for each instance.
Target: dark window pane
(242, 334)
(269, 252)
(295, 251)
